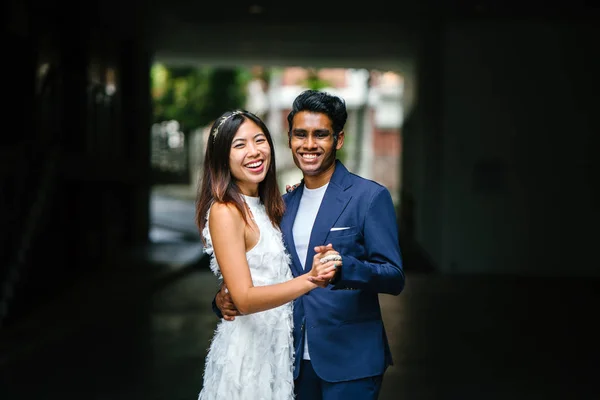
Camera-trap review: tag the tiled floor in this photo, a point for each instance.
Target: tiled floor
(452, 338)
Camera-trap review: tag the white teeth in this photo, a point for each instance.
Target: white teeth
(309, 156)
(254, 164)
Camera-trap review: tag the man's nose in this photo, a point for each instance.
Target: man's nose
(310, 142)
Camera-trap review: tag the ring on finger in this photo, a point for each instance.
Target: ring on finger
(333, 257)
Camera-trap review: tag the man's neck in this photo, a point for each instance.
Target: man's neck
(319, 180)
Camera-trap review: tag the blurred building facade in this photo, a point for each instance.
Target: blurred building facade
(373, 145)
(373, 131)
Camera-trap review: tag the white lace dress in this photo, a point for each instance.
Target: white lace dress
(251, 358)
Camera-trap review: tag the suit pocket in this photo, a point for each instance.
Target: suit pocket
(351, 231)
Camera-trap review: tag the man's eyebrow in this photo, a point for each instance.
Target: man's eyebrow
(301, 130)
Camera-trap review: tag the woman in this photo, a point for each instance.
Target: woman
(238, 211)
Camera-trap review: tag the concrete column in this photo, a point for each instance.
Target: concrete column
(421, 199)
(520, 106)
(137, 121)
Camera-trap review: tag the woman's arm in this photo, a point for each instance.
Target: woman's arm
(227, 227)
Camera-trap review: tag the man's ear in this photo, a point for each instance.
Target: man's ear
(340, 140)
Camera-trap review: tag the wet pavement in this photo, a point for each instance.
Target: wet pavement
(136, 336)
(168, 213)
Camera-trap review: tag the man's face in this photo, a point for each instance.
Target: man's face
(311, 142)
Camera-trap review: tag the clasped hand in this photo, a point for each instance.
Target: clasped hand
(322, 272)
(326, 261)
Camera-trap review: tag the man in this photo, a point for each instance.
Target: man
(340, 342)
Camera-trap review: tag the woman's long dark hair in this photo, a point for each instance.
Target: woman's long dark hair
(216, 182)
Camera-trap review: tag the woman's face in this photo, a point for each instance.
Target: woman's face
(250, 157)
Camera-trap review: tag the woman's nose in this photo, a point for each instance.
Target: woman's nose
(253, 149)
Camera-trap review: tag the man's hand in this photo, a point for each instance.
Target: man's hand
(325, 265)
(225, 304)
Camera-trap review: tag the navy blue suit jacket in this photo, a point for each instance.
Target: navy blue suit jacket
(346, 336)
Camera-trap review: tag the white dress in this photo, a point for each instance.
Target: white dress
(252, 357)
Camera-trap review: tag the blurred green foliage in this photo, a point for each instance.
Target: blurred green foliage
(314, 82)
(196, 96)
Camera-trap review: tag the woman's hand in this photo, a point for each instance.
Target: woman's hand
(325, 264)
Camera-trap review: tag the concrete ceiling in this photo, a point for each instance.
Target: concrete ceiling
(283, 33)
(370, 34)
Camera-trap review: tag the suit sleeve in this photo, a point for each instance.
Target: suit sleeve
(381, 269)
(215, 308)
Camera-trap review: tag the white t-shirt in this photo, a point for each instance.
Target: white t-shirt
(303, 224)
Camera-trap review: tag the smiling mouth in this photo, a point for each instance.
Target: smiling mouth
(309, 156)
(254, 164)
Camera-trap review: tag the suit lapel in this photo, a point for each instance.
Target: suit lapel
(287, 225)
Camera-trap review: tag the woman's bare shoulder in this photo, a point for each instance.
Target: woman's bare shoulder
(225, 212)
